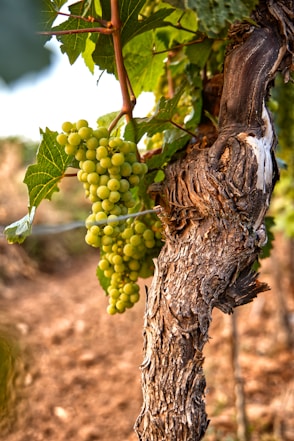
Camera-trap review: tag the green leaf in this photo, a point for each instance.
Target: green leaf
(87, 54)
(174, 140)
(18, 231)
(104, 281)
(143, 66)
(75, 44)
(49, 12)
(199, 53)
(103, 55)
(214, 16)
(133, 27)
(43, 177)
(159, 121)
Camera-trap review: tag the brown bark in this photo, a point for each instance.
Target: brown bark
(213, 205)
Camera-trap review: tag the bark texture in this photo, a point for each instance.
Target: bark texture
(213, 205)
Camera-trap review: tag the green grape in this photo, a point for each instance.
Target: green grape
(101, 216)
(148, 235)
(118, 159)
(137, 168)
(114, 196)
(106, 162)
(74, 139)
(103, 141)
(126, 169)
(81, 123)
(62, 139)
(92, 143)
(134, 180)
(108, 230)
(129, 250)
(70, 149)
(88, 166)
(100, 170)
(101, 152)
(103, 192)
(85, 133)
(97, 208)
(103, 264)
(104, 179)
(113, 184)
(93, 178)
(101, 132)
(124, 185)
(120, 306)
(134, 298)
(107, 205)
(80, 155)
(67, 126)
(115, 142)
(111, 309)
(91, 154)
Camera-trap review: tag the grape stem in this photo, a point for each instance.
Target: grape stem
(128, 97)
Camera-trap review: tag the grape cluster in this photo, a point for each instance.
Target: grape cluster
(110, 171)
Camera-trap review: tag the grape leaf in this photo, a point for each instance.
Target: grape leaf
(49, 12)
(42, 181)
(143, 66)
(213, 15)
(103, 55)
(18, 231)
(158, 122)
(75, 44)
(104, 281)
(174, 140)
(42, 178)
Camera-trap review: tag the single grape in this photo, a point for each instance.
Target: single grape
(70, 149)
(67, 126)
(88, 166)
(74, 139)
(107, 205)
(85, 132)
(120, 306)
(81, 123)
(103, 141)
(113, 184)
(118, 159)
(101, 132)
(106, 162)
(80, 155)
(101, 152)
(111, 310)
(114, 196)
(62, 139)
(126, 169)
(93, 178)
(103, 192)
(103, 264)
(91, 154)
(108, 230)
(92, 143)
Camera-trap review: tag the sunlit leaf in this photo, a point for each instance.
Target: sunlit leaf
(43, 177)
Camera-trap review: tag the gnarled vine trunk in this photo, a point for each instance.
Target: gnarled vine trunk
(213, 202)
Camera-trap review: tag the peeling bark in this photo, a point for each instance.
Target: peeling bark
(213, 202)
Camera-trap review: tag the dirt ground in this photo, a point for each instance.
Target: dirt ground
(73, 372)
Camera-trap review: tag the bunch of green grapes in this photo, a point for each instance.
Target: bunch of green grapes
(129, 257)
(109, 169)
